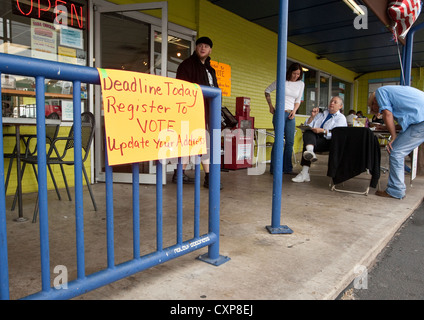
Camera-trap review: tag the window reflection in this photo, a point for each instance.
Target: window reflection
(40, 37)
(178, 50)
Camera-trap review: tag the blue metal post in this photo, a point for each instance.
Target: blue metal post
(79, 208)
(4, 264)
(136, 209)
(110, 244)
(275, 227)
(42, 184)
(179, 202)
(197, 197)
(159, 207)
(214, 95)
(409, 49)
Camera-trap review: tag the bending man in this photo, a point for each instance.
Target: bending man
(405, 105)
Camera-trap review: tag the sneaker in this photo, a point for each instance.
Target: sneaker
(302, 177)
(186, 178)
(309, 156)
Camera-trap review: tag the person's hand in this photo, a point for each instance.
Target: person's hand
(389, 146)
(318, 130)
(271, 109)
(314, 112)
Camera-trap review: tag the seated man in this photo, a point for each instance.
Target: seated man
(319, 137)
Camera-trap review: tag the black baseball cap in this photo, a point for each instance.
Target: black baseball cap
(204, 40)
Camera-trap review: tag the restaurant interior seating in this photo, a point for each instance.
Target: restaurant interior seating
(59, 153)
(30, 141)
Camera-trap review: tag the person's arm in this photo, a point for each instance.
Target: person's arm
(271, 87)
(293, 112)
(319, 130)
(268, 99)
(185, 71)
(338, 121)
(389, 121)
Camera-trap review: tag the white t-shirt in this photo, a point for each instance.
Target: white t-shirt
(294, 92)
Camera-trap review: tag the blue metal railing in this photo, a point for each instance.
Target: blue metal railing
(41, 70)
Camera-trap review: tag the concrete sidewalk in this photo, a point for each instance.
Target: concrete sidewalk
(334, 234)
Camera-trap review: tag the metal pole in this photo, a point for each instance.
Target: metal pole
(279, 128)
(110, 238)
(4, 264)
(42, 184)
(214, 94)
(79, 209)
(408, 55)
(136, 210)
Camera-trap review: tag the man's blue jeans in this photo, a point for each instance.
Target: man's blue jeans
(289, 129)
(404, 144)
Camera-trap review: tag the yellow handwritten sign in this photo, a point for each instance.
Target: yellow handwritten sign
(149, 117)
(223, 75)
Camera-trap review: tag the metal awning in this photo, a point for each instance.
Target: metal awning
(326, 28)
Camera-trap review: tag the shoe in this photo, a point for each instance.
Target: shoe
(310, 156)
(291, 173)
(383, 193)
(186, 178)
(302, 177)
(206, 183)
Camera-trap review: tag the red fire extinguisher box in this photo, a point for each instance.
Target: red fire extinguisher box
(239, 141)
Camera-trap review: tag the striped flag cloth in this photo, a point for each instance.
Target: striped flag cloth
(403, 13)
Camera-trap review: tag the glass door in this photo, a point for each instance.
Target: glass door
(122, 41)
(180, 47)
(324, 86)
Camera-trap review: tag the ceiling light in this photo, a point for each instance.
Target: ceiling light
(355, 7)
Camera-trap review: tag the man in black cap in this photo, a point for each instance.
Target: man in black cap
(197, 69)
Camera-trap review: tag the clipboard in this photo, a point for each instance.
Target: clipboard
(303, 127)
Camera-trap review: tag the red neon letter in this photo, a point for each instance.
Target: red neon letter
(80, 23)
(39, 8)
(19, 7)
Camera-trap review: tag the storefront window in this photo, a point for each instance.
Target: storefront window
(52, 32)
(310, 93)
(42, 29)
(342, 89)
(324, 85)
(179, 49)
(320, 87)
(124, 43)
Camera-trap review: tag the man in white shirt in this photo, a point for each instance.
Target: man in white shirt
(318, 138)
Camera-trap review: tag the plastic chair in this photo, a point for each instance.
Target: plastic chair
(12, 156)
(51, 134)
(65, 144)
